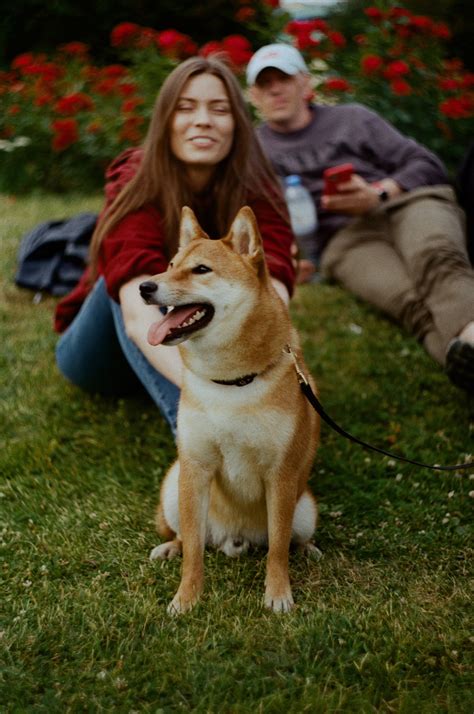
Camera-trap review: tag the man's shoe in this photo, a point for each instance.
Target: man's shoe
(460, 364)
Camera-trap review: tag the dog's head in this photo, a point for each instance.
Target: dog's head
(208, 281)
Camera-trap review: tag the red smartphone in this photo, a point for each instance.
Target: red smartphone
(336, 175)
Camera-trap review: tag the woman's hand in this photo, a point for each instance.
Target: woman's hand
(356, 197)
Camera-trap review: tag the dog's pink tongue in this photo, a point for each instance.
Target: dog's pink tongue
(159, 330)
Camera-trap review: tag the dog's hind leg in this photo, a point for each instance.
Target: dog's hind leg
(233, 547)
(167, 517)
(166, 551)
(162, 525)
(304, 524)
(168, 510)
(305, 518)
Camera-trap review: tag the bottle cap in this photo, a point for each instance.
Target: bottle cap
(293, 180)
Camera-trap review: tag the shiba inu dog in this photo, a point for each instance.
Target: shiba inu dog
(246, 434)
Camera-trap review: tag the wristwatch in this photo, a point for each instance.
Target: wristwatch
(381, 192)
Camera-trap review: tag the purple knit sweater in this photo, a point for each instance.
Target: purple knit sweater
(349, 133)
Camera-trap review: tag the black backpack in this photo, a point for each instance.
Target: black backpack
(52, 256)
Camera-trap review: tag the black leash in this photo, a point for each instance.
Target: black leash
(316, 404)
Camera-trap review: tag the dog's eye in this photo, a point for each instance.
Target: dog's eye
(200, 269)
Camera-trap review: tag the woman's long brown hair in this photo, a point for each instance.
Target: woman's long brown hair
(160, 179)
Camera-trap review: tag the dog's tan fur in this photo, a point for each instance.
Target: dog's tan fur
(244, 453)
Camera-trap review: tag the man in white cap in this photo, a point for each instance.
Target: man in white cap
(393, 233)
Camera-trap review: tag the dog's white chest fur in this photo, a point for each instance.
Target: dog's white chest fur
(248, 441)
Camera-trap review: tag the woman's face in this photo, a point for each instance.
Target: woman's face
(202, 127)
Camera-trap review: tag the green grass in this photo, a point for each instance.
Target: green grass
(382, 620)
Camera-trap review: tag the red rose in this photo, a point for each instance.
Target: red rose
(468, 80)
(304, 41)
(129, 105)
(14, 109)
(114, 70)
(395, 69)
(441, 30)
(290, 27)
(48, 71)
(374, 13)
(306, 26)
(174, 44)
(448, 84)
(66, 133)
(320, 25)
(337, 38)
(23, 60)
(371, 64)
(74, 103)
(77, 49)
(106, 86)
(189, 48)
(238, 49)
(127, 88)
(211, 48)
(124, 34)
(457, 107)
(131, 130)
(337, 84)
(401, 87)
(421, 22)
(169, 39)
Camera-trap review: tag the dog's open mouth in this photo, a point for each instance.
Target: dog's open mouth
(180, 322)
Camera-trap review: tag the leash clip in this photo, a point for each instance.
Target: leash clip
(301, 377)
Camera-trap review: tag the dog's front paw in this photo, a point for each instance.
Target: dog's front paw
(184, 600)
(279, 601)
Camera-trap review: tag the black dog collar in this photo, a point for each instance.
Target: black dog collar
(239, 382)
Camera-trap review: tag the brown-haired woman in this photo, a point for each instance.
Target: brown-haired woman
(200, 151)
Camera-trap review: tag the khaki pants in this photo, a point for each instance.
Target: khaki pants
(409, 259)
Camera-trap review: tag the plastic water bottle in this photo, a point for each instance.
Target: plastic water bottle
(303, 217)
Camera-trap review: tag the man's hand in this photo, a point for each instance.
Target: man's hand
(356, 197)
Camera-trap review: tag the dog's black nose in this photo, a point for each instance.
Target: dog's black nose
(147, 289)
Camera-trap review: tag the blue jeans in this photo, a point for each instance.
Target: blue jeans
(95, 354)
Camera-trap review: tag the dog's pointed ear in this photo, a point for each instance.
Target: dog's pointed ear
(244, 236)
(189, 228)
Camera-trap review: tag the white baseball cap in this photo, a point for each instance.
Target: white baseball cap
(283, 57)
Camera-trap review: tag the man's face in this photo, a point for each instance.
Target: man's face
(281, 99)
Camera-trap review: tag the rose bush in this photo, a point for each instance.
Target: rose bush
(64, 118)
(397, 67)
